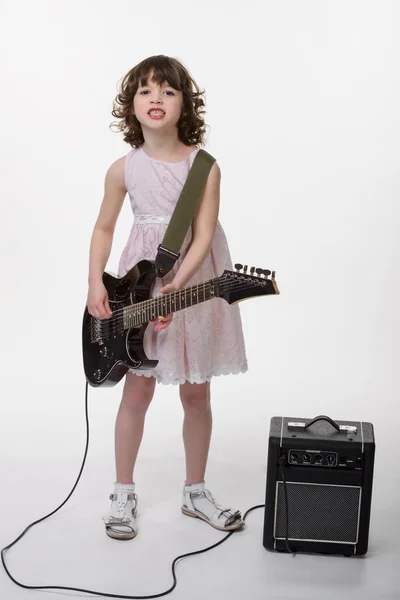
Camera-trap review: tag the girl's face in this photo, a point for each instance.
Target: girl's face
(155, 96)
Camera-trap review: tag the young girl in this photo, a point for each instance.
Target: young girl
(161, 119)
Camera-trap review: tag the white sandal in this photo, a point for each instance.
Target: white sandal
(121, 521)
(208, 509)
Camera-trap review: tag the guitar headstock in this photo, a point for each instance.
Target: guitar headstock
(235, 286)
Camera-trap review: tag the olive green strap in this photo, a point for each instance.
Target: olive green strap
(169, 249)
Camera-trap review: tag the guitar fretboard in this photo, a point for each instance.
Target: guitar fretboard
(143, 312)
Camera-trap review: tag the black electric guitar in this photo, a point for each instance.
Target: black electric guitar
(114, 345)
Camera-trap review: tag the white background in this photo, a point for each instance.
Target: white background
(303, 107)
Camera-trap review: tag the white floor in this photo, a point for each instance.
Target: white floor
(42, 454)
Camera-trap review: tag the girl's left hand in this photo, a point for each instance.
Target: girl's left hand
(165, 321)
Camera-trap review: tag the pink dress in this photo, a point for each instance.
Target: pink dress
(204, 340)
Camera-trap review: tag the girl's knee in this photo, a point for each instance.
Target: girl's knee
(195, 397)
(138, 391)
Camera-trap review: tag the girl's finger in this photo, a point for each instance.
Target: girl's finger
(167, 288)
(162, 322)
(162, 325)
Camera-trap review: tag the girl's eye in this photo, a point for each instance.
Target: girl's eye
(168, 92)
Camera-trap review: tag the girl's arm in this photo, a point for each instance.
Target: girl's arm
(203, 228)
(103, 232)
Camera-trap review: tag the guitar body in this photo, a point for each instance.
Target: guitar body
(107, 361)
(114, 345)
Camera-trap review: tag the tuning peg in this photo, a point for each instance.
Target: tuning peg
(259, 271)
(266, 272)
(252, 269)
(238, 267)
(245, 269)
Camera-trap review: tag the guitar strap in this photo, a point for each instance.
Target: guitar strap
(169, 250)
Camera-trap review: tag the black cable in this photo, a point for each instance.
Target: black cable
(59, 587)
(281, 463)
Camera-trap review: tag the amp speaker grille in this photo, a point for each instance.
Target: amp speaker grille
(318, 512)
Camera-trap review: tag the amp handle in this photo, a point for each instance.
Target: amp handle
(299, 426)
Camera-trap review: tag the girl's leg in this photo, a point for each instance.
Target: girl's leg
(197, 427)
(137, 394)
(198, 500)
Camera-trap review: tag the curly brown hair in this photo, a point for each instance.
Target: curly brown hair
(191, 126)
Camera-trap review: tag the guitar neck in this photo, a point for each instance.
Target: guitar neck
(143, 312)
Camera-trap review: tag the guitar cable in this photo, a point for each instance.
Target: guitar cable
(281, 462)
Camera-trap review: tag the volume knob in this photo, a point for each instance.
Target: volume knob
(97, 374)
(103, 351)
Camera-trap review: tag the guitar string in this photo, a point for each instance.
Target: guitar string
(170, 294)
(188, 290)
(116, 325)
(183, 295)
(113, 324)
(141, 307)
(151, 303)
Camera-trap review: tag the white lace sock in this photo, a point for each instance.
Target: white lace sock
(195, 486)
(126, 487)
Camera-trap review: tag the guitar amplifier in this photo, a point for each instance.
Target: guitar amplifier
(319, 485)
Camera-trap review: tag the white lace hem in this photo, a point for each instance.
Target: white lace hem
(167, 378)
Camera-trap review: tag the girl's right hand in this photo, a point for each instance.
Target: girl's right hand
(97, 301)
